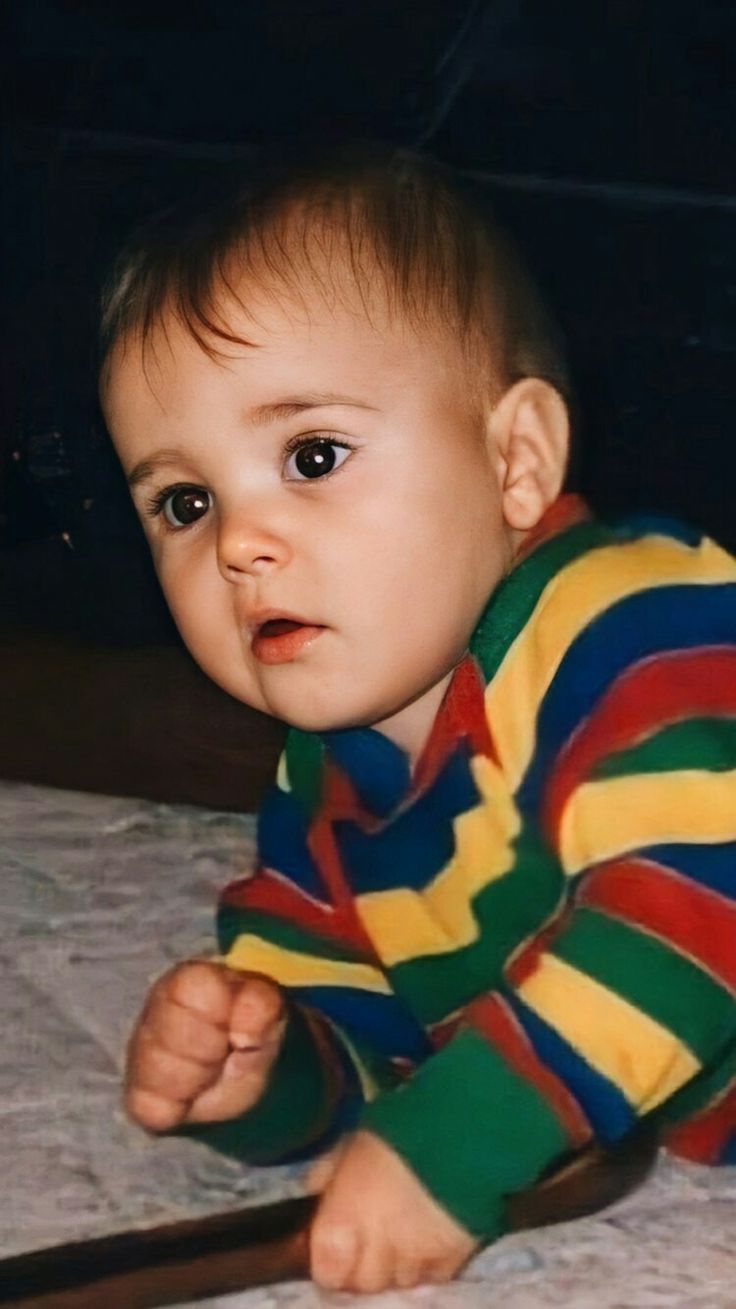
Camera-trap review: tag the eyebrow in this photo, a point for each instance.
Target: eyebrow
(276, 411)
(291, 405)
(148, 467)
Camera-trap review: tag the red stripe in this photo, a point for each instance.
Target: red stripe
(653, 694)
(325, 852)
(491, 1016)
(695, 920)
(563, 513)
(527, 960)
(268, 893)
(443, 1031)
(702, 1139)
(461, 716)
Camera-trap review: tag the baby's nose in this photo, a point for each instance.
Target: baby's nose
(246, 547)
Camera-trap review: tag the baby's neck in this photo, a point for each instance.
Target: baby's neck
(411, 726)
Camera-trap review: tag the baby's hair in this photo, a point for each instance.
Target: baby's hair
(412, 230)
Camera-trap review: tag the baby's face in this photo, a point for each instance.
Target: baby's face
(323, 509)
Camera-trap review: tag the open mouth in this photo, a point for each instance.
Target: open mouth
(279, 640)
(279, 626)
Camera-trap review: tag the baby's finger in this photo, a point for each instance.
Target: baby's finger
(376, 1269)
(237, 1090)
(334, 1254)
(154, 1112)
(258, 1013)
(184, 1032)
(177, 1078)
(204, 987)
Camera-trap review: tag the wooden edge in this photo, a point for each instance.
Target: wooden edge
(228, 1252)
(166, 1264)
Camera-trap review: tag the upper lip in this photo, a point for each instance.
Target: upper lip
(259, 617)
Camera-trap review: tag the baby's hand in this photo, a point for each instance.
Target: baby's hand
(204, 1046)
(376, 1226)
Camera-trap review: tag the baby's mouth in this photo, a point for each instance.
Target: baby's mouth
(278, 626)
(280, 640)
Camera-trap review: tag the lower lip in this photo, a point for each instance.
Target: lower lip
(283, 648)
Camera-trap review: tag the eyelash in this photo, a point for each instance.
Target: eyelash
(298, 443)
(156, 504)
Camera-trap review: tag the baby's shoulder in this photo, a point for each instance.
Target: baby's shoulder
(636, 562)
(603, 596)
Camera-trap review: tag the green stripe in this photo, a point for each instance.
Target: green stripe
(702, 1091)
(508, 910)
(304, 756)
(293, 1110)
(471, 1129)
(702, 743)
(515, 599)
(653, 977)
(233, 922)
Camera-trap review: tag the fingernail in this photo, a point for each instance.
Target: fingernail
(243, 1041)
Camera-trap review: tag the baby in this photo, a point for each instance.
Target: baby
(493, 919)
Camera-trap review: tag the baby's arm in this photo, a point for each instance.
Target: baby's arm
(629, 999)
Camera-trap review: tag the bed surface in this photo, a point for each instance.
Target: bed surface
(100, 894)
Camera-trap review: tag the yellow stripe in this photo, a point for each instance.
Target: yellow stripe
(282, 774)
(607, 818)
(576, 596)
(291, 968)
(405, 924)
(644, 1060)
(368, 1084)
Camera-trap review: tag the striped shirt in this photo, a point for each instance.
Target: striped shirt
(531, 942)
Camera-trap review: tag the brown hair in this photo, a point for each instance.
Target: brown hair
(439, 256)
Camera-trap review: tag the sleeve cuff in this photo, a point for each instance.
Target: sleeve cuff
(471, 1129)
(295, 1109)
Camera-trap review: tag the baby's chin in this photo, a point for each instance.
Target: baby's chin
(322, 722)
(310, 717)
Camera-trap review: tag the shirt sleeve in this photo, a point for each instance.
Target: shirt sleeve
(348, 1036)
(628, 997)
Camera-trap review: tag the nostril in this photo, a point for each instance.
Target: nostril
(243, 563)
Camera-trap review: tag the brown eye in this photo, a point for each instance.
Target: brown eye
(314, 459)
(185, 505)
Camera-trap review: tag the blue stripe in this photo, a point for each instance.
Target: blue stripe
(655, 621)
(377, 767)
(728, 1153)
(417, 844)
(606, 1108)
(380, 1021)
(659, 525)
(712, 866)
(282, 842)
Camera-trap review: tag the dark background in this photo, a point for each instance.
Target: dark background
(603, 133)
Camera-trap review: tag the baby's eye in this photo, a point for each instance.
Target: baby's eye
(183, 505)
(316, 457)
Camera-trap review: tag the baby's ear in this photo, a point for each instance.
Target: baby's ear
(531, 433)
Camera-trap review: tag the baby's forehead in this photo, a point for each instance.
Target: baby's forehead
(329, 304)
(307, 333)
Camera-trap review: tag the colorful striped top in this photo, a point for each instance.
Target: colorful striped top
(531, 942)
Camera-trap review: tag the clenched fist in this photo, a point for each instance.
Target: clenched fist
(204, 1046)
